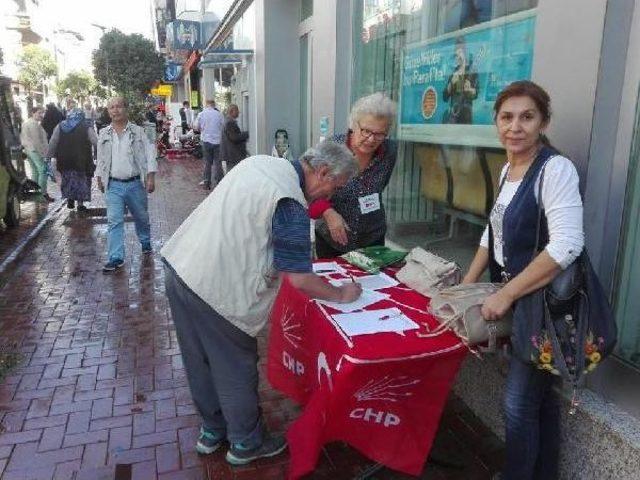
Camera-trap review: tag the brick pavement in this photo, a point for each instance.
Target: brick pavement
(32, 211)
(100, 391)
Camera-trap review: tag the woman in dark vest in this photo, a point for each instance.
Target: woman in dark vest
(52, 117)
(522, 113)
(72, 145)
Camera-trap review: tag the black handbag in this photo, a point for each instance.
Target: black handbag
(566, 328)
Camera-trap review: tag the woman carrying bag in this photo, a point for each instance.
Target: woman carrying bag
(522, 113)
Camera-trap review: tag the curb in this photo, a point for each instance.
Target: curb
(32, 234)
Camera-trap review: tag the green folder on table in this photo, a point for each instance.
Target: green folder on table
(373, 259)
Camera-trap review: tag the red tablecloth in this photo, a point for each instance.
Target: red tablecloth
(383, 394)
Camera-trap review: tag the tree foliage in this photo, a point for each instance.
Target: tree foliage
(100, 92)
(36, 66)
(79, 85)
(128, 63)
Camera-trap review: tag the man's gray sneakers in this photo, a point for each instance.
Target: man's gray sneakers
(271, 446)
(208, 442)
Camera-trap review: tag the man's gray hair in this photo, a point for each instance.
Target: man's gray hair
(336, 156)
(377, 105)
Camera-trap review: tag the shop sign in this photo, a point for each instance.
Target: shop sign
(450, 83)
(162, 91)
(183, 35)
(172, 72)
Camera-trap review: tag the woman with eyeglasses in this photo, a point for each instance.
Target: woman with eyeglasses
(354, 217)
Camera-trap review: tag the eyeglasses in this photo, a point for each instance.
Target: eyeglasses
(366, 133)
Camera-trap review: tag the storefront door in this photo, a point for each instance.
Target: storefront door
(619, 378)
(627, 279)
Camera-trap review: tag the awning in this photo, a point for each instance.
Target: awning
(191, 61)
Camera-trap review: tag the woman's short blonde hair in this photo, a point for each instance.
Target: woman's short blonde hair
(377, 105)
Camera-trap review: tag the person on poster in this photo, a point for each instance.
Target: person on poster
(461, 89)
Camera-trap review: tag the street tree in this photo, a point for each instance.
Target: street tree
(78, 85)
(100, 92)
(128, 63)
(36, 67)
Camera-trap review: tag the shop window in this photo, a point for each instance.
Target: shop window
(626, 299)
(306, 9)
(449, 158)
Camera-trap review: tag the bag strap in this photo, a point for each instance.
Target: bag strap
(491, 237)
(540, 209)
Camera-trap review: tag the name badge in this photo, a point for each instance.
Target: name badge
(369, 203)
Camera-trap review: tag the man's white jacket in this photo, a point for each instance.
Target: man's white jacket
(142, 153)
(224, 252)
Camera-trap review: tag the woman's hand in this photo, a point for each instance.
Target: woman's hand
(497, 305)
(337, 226)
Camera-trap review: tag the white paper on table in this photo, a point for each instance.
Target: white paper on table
(368, 297)
(328, 268)
(369, 282)
(374, 321)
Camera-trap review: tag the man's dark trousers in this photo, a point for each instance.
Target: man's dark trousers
(212, 158)
(221, 365)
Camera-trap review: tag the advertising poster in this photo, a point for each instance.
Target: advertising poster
(449, 83)
(183, 35)
(172, 72)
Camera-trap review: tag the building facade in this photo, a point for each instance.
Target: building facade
(310, 61)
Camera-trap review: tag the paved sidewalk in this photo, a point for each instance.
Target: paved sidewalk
(101, 393)
(32, 212)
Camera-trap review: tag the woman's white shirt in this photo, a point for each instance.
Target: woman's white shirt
(562, 206)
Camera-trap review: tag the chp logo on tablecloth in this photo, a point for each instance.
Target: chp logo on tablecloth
(386, 389)
(290, 332)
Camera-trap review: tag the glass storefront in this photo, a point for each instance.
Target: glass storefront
(627, 301)
(306, 9)
(443, 61)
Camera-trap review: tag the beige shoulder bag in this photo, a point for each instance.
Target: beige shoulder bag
(459, 309)
(427, 273)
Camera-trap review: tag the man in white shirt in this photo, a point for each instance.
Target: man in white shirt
(34, 141)
(126, 171)
(210, 123)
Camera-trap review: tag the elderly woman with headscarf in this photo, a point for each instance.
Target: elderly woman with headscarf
(354, 217)
(72, 145)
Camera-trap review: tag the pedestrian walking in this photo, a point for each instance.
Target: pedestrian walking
(150, 114)
(210, 123)
(186, 117)
(52, 117)
(72, 145)
(89, 113)
(34, 141)
(103, 119)
(126, 174)
(17, 116)
(222, 270)
(233, 143)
